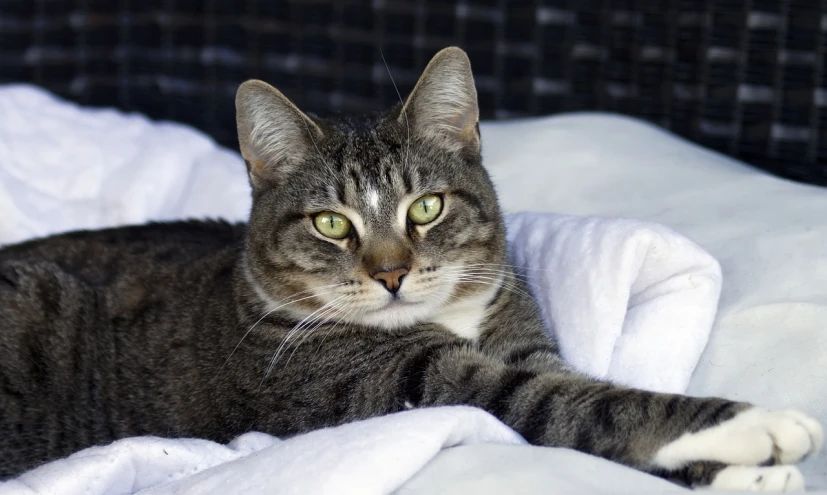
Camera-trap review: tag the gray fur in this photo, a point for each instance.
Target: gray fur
(181, 329)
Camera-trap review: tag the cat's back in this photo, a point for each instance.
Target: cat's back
(91, 280)
(154, 277)
(101, 254)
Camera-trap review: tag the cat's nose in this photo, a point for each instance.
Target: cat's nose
(392, 278)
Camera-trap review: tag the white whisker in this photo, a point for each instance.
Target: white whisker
(509, 265)
(488, 271)
(308, 332)
(343, 319)
(297, 329)
(494, 281)
(320, 319)
(282, 305)
(293, 331)
(402, 109)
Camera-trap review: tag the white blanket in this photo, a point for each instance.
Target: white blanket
(369, 457)
(629, 301)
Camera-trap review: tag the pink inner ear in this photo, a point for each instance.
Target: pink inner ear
(466, 125)
(257, 166)
(465, 119)
(459, 121)
(248, 153)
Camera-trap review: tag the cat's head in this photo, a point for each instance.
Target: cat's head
(383, 221)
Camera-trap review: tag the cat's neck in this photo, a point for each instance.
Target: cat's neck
(465, 317)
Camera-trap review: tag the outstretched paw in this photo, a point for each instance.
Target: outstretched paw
(753, 437)
(759, 479)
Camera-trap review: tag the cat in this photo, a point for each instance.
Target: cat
(372, 277)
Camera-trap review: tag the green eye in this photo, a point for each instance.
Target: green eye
(425, 209)
(332, 225)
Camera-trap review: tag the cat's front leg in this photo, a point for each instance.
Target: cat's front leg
(700, 441)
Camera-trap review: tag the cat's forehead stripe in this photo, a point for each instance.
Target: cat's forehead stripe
(372, 199)
(368, 182)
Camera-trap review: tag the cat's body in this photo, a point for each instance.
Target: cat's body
(147, 334)
(112, 333)
(371, 278)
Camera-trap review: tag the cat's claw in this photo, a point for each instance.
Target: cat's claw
(759, 479)
(755, 436)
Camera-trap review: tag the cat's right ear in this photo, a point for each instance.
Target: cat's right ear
(273, 134)
(442, 107)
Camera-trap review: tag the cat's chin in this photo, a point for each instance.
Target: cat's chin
(398, 314)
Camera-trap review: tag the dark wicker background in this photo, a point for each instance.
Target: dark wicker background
(744, 77)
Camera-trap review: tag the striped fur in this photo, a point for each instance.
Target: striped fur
(211, 330)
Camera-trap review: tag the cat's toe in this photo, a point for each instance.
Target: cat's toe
(813, 428)
(795, 436)
(759, 479)
(755, 436)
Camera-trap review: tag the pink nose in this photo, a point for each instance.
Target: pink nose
(392, 279)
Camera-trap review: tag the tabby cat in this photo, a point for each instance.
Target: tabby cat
(372, 277)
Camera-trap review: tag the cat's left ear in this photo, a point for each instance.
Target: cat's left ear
(442, 107)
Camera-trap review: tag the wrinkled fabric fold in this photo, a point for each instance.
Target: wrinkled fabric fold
(628, 301)
(375, 456)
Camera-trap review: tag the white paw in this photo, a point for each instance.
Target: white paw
(759, 479)
(752, 437)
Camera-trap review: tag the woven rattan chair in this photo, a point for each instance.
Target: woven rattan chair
(747, 81)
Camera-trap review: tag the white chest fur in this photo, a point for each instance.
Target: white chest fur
(465, 318)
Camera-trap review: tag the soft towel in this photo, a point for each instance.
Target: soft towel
(629, 301)
(65, 167)
(368, 457)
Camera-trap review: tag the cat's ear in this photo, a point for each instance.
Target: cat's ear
(443, 105)
(273, 134)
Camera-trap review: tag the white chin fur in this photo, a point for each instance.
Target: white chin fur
(398, 316)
